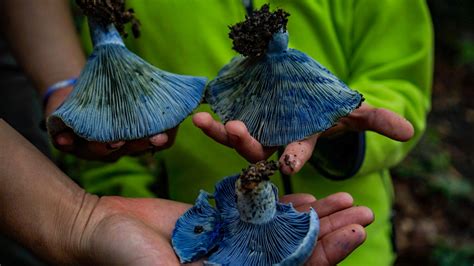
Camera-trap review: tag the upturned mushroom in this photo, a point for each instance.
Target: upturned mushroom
(281, 94)
(119, 96)
(248, 226)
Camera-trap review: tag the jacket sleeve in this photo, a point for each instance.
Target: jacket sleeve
(390, 61)
(392, 65)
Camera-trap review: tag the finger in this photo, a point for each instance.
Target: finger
(334, 131)
(64, 141)
(390, 124)
(298, 199)
(115, 145)
(159, 140)
(356, 215)
(163, 140)
(296, 154)
(330, 204)
(137, 147)
(337, 245)
(90, 150)
(67, 141)
(211, 127)
(379, 120)
(241, 140)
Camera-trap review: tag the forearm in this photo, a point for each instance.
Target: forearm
(42, 36)
(39, 205)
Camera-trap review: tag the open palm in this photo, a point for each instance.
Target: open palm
(234, 134)
(138, 231)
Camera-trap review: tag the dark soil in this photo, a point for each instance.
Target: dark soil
(251, 37)
(111, 11)
(256, 173)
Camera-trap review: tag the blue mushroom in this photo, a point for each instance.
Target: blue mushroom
(281, 94)
(119, 96)
(248, 226)
(199, 231)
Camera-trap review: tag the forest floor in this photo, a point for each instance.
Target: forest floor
(434, 206)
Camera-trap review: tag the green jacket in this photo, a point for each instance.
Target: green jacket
(383, 49)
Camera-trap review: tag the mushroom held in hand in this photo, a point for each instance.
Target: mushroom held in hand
(248, 226)
(281, 94)
(118, 95)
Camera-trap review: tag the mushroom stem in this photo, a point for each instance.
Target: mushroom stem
(103, 34)
(279, 42)
(256, 199)
(258, 206)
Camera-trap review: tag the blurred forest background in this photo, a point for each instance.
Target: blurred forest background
(434, 186)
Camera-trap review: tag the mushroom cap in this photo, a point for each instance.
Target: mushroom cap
(197, 231)
(119, 96)
(288, 239)
(281, 96)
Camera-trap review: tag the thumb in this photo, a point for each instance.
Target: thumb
(380, 120)
(55, 100)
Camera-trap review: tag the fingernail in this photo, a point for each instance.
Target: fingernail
(159, 140)
(291, 161)
(115, 145)
(109, 147)
(64, 141)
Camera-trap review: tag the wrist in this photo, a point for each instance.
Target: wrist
(56, 99)
(56, 94)
(86, 225)
(70, 241)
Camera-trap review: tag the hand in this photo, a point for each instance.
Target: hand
(138, 231)
(125, 231)
(68, 141)
(341, 225)
(235, 135)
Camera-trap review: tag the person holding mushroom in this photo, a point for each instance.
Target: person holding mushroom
(45, 211)
(351, 40)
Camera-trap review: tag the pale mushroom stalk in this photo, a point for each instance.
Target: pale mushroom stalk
(104, 34)
(256, 200)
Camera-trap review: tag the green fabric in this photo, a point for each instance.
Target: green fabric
(129, 177)
(381, 48)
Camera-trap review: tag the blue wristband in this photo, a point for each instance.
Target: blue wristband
(57, 86)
